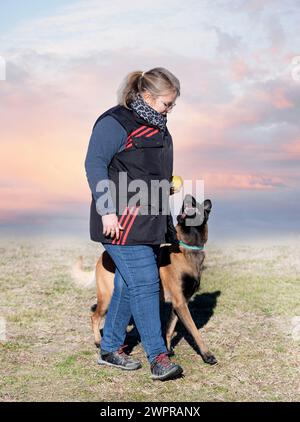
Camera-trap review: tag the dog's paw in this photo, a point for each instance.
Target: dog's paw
(171, 352)
(209, 358)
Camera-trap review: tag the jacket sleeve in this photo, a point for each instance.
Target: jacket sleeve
(108, 137)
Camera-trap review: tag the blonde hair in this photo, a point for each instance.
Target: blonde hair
(157, 81)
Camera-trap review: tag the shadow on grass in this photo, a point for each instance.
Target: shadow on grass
(202, 309)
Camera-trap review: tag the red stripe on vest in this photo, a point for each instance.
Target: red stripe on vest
(129, 140)
(126, 222)
(121, 220)
(144, 131)
(133, 133)
(152, 133)
(130, 224)
(128, 145)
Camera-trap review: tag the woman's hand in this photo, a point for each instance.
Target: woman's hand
(111, 225)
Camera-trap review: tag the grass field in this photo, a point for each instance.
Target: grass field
(247, 310)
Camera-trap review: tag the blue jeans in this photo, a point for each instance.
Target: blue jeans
(136, 293)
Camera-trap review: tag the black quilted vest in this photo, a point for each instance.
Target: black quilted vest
(148, 155)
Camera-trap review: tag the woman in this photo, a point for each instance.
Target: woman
(132, 140)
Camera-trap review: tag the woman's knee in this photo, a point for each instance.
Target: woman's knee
(145, 284)
(120, 287)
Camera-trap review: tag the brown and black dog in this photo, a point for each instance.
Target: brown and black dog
(180, 269)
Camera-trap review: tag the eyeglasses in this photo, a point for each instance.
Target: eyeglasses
(168, 106)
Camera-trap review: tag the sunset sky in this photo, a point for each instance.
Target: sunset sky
(236, 124)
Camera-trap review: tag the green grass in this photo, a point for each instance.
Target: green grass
(248, 296)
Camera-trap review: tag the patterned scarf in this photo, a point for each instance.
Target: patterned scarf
(148, 113)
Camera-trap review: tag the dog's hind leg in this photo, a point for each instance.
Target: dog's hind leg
(170, 331)
(104, 285)
(96, 318)
(184, 314)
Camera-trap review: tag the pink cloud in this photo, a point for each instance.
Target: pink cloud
(233, 181)
(239, 69)
(292, 149)
(24, 198)
(277, 97)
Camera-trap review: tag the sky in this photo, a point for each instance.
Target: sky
(16, 12)
(235, 125)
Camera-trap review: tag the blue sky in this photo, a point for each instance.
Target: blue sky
(16, 12)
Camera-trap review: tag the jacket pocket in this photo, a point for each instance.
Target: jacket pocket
(152, 148)
(147, 141)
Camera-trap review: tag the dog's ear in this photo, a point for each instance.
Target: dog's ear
(207, 205)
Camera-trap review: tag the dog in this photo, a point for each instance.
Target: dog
(180, 269)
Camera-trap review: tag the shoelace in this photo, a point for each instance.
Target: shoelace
(163, 359)
(121, 351)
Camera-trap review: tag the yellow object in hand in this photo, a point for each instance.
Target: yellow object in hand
(176, 183)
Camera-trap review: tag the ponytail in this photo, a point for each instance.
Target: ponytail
(157, 81)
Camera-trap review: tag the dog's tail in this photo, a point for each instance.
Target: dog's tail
(82, 279)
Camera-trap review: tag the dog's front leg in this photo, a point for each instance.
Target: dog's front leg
(184, 314)
(170, 330)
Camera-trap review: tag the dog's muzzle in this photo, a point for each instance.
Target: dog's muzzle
(190, 212)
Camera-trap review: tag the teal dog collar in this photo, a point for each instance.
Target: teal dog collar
(185, 245)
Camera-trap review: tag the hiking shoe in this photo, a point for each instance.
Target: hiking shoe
(162, 368)
(119, 359)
